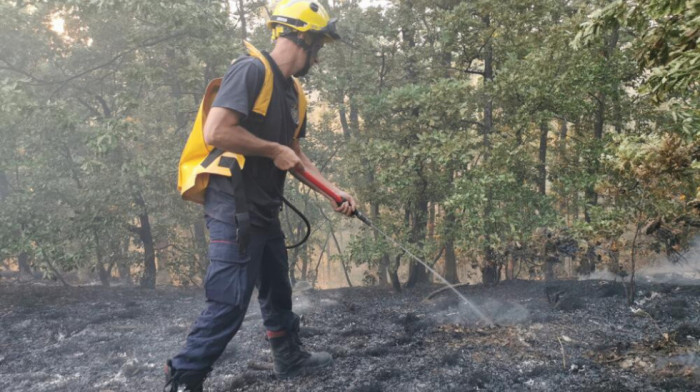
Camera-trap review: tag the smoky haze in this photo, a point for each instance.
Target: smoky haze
(686, 271)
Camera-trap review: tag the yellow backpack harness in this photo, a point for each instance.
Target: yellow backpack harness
(199, 160)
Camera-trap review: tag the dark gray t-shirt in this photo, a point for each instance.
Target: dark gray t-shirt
(263, 182)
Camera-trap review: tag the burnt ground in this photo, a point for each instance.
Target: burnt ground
(583, 338)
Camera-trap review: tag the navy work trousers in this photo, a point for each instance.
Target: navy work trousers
(231, 277)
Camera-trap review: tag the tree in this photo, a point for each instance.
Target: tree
(107, 95)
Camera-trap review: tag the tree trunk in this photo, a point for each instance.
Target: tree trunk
(328, 265)
(4, 186)
(510, 268)
(148, 280)
(446, 60)
(408, 39)
(354, 118)
(54, 270)
(450, 262)
(383, 270)
(23, 263)
(416, 271)
(599, 121)
(488, 270)
(149, 256)
(242, 18)
(4, 192)
(563, 134)
(119, 248)
(394, 274)
(549, 269)
(520, 170)
(431, 221)
(23, 259)
(124, 273)
(542, 167)
(632, 288)
(102, 273)
(563, 197)
(450, 256)
(599, 124)
(344, 122)
(384, 261)
(349, 125)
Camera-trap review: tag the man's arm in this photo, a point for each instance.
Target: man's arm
(223, 130)
(346, 208)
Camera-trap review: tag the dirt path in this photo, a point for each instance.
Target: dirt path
(582, 338)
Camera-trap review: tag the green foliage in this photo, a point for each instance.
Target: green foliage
(666, 48)
(443, 118)
(96, 114)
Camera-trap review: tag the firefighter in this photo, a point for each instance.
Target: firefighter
(251, 123)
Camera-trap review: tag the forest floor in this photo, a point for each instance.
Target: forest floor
(582, 338)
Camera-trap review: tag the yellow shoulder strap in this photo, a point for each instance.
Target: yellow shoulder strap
(263, 100)
(302, 106)
(194, 168)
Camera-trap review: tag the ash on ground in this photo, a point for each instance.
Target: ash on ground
(567, 336)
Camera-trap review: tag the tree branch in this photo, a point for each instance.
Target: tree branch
(117, 57)
(473, 71)
(12, 68)
(134, 229)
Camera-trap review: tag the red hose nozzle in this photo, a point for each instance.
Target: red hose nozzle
(337, 198)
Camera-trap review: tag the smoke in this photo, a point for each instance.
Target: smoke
(686, 271)
(603, 274)
(305, 299)
(689, 363)
(500, 312)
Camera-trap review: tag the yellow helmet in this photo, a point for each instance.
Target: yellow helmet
(302, 16)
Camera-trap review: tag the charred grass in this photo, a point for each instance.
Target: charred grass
(568, 336)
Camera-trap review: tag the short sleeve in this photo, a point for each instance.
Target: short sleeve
(241, 85)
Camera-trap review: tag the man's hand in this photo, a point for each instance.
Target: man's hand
(286, 159)
(348, 207)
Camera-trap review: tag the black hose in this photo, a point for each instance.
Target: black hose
(308, 225)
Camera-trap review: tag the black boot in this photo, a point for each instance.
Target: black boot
(291, 360)
(183, 380)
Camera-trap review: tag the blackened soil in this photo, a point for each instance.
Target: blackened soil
(565, 336)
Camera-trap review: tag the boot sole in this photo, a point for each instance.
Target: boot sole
(303, 371)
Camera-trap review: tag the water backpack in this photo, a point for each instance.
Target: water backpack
(199, 159)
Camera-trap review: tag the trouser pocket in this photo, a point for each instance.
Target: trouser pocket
(227, 275)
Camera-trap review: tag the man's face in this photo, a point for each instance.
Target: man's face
(314, 44)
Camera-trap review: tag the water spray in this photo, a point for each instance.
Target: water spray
(362, 217)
